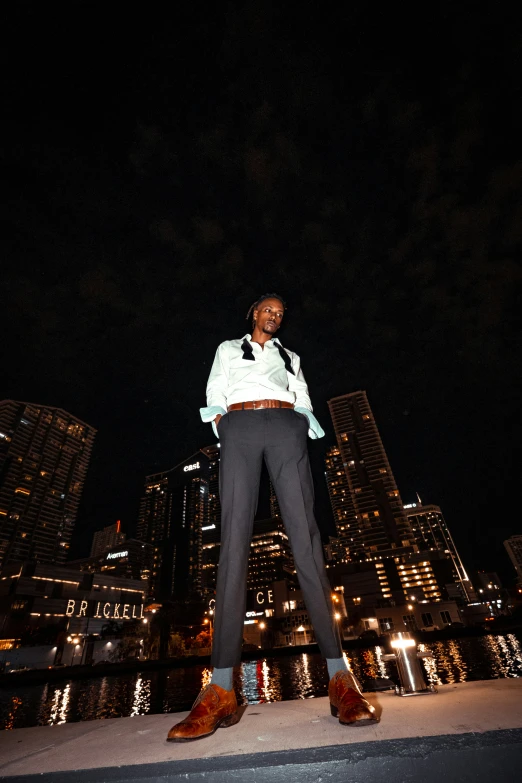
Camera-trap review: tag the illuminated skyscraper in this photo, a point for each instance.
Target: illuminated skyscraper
(270, 557)
(172, 512)
(341, 546)
(375, 524)
(211, 530)
(105, 539)
(431, 534)
(44, 456)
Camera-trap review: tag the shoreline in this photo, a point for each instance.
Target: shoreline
(39, 676)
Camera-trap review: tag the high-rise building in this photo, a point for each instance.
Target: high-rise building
(173, 512)
(375, 525)
(212, 453)
(513, 547)
(341, 545)
(211, 529)
(270, 557)
(107, 538)
(431, 534)
(44, 456)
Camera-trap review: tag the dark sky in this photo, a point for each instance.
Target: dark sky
(163, 171)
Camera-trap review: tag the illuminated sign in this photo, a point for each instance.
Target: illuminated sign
(103, 610)
(208, 527)
(263, 596)
(195, 466)
(114, 555)
(255, 614)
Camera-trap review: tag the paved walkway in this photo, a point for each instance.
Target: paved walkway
(291, 725)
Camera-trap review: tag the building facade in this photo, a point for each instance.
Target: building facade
(416, 578)
(513, 547)
(132, 559)
(173, 511)
(431, 534)
(373, 519)
(270, 557)
(341, 545)
(411, 617)
(211, 529)
(44, 457)
(106, 539)
(34, 595)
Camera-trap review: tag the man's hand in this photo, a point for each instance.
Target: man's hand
(218, 419)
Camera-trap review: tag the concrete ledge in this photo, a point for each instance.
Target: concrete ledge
(467, 732)
(495, 755)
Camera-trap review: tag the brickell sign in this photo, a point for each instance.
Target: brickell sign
(103, 610)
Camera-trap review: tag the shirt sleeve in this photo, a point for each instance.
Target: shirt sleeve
(303, 404)
(217, 386)
(297, 384)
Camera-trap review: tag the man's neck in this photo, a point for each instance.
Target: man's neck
(260, 337)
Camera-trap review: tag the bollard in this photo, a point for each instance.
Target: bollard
(408, 665)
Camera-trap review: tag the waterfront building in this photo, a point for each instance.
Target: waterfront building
(513, 547)
(375, 525)
(431, 534)
(44, 457)
(419, 577)
(36, 595)
(132, 559)
(106, 539)
(410, 616)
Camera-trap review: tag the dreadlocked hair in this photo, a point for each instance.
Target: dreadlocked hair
(256, 304)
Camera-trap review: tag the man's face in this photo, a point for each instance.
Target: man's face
(269, 315)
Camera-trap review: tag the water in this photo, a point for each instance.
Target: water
(268, 679)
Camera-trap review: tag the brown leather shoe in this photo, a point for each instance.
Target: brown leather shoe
(214, 708)
(347, 702)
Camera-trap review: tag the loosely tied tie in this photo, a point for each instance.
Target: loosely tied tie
(248, 354)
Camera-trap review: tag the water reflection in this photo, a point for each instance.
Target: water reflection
(430, 667)
(301, 676)
(141, 703)
(381, 665)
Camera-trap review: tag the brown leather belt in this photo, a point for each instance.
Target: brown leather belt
(254, 405)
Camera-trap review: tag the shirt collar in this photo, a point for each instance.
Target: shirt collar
(272, 339)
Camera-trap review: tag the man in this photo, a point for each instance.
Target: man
(260, 408)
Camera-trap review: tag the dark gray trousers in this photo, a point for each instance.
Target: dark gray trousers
(278, 435)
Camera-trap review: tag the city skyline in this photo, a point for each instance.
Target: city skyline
(333, 458)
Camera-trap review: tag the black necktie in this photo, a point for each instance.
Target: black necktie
(248, 354)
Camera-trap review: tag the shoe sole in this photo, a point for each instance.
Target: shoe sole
(224, 723)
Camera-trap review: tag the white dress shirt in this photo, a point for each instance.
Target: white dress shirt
(234, 379)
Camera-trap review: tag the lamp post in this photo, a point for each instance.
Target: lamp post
(337, 616)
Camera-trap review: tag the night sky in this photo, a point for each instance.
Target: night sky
(163, 171)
